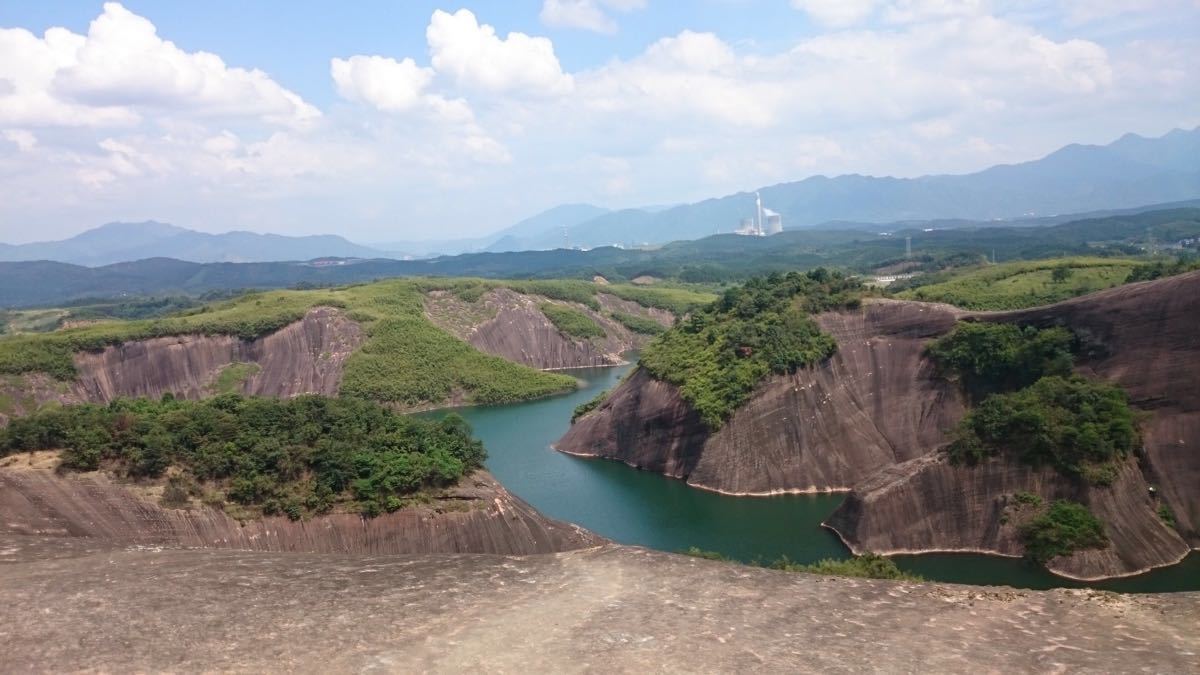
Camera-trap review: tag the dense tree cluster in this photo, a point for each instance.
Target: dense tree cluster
(1164, 268)
(298, 456)
(720, 353)
(1076, 426)
(993, 357)
(1063, 528)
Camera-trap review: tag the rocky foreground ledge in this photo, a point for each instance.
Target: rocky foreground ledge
(69, 603)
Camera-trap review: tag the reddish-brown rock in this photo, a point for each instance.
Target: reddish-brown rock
(477, 516)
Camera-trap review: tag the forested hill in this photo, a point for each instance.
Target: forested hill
(716, 258)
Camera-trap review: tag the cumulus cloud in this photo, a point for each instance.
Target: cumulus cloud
(473, 55)
(586, 14)
(387, 84)
(121, 69)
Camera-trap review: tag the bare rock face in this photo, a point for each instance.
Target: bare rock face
(613, 609)
(928, 504)
(1144, 337)
(509, 324)
(873, 404)
(478, 516)
(305, 357)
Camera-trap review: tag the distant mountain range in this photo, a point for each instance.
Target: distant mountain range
(725, 257)
(1130, 172)
(123, 242)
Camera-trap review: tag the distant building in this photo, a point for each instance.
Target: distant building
(765, 222)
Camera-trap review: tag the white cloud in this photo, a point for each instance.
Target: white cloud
(387, 84)
(837, 12)
(472, 55)
(586, 14)
(121, 70)
(22, 138)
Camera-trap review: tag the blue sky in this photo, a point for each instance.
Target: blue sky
(414, 120)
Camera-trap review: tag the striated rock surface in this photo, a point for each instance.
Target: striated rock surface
(1144, 337)
(873, 404)
(305, 357)
(477, 516)
(928, 504)
(509, 324)
(67, 607)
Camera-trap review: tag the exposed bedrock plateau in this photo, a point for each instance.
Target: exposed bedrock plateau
(873, 416)
(476, 516)
(67, 606)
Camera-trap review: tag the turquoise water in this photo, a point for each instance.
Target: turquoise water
(647, 509)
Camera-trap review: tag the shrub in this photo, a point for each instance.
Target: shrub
(588, 406)
(571, 322)
(1166, 515)
(719, 355)
(1027, 499)
(639, 324)
(866, 566)
(1071, 424)
(296, 456)
(992, 357)
(1064, 528)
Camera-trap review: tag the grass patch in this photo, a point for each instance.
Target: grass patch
(678, 301)
(233, 376)
(296, 456)
(571, 322)
(1064, 528)
(720, 354)
(1017, 285)
(639, 324)
(866, 566)
(588, 406)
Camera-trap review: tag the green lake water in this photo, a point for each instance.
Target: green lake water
(647, 509)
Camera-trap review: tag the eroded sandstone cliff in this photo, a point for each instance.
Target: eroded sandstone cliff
(875, 403)
(305, 357)
(510, 325)
(873, 417)
(477, 516)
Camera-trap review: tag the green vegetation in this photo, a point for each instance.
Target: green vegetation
(405, 359)
(1018, 285)
(639, 324)
(1074, 425)
(718, 355)
(993, 357)
(233, 376)
(248, 317)
(588, 406)
(866, 566)
(679, 301)
(571, 322)
(1166, 515)
(1162, 268)
(1027, 499)
(296, 456)
(1065, 527)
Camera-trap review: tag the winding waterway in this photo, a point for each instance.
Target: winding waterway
(647, 509)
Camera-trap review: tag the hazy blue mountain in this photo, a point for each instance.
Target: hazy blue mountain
(121, 242)
(543, 225)
(1131, 171)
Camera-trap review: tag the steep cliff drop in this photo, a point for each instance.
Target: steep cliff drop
(1144, 337)
(305, 357)
(476, 516)
(877, 402)
(509, 324)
